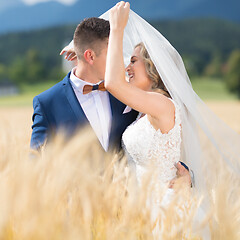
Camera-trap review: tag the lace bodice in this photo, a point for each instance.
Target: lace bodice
(148, 148)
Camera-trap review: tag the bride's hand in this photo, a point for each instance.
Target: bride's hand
(119, 16)
(70, 53)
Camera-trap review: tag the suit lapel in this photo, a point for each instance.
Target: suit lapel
(119, 122)
(117, 108)
(73, 101)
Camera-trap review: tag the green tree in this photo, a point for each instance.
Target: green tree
(233, 72)
(56, 73)
(214, 68)
(17, 71)
(3, 73)
(34, 67)
(27, 69)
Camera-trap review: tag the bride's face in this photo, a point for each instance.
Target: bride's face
(137, 72)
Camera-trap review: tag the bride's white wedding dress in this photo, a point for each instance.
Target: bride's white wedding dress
(151, 156)
(206, 139)
(153, 153)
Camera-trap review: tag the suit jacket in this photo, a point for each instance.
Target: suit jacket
(58, 108)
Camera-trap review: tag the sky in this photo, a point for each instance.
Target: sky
(6, 4)
(32, 2)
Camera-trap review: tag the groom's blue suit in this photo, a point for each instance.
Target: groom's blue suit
(58, 108)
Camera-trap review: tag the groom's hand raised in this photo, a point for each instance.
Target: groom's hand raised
(183, 173)
(70, 53)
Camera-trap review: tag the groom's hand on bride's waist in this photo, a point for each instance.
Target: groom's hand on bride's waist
(183, 173)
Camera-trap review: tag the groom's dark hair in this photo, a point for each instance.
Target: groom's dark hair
(91, 33)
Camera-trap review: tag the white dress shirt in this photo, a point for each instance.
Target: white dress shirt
(96, 106)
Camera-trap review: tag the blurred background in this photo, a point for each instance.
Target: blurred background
(205, 32)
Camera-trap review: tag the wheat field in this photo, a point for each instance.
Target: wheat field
(75, 191)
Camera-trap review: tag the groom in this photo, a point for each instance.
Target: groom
(80, 98)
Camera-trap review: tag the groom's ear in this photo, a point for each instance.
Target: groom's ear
(89, 56)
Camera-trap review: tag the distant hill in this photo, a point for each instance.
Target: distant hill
(197, 40)
(16, 16)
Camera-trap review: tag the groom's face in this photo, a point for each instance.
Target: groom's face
(100, 62)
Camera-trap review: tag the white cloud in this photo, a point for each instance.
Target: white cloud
(32, 2)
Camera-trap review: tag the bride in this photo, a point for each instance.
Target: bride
(153, 141)
(174, 124)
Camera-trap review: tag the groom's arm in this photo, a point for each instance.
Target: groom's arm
(39, 127)
(183, 172)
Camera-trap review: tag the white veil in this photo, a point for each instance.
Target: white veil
(207, 141)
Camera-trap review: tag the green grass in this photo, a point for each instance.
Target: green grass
(212, 89)
(206, 88)
(26, 95)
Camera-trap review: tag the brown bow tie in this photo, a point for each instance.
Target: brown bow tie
(90, 88)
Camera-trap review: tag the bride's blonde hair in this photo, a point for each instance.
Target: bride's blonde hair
(152, 72)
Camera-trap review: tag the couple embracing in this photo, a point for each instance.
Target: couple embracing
(122, 113)
(154, 114)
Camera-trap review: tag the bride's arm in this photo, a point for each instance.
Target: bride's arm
(146, 102)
